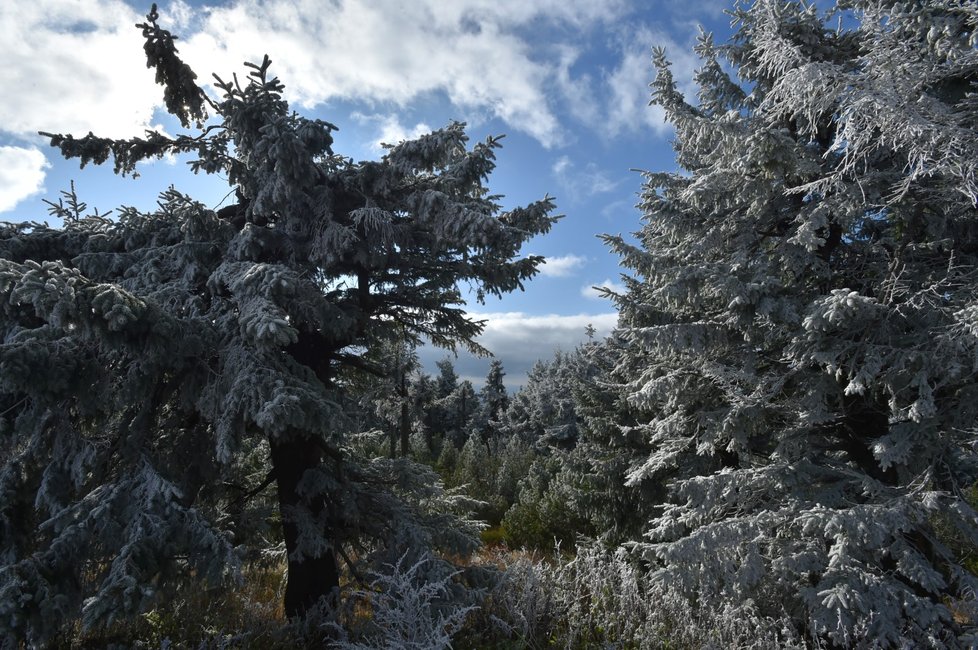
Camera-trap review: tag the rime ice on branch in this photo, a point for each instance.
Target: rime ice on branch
(142, 359)
(802, 337)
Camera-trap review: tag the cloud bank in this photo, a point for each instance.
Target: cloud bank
(74, 67)
(76, 70)
(478, 53)
(520, 340)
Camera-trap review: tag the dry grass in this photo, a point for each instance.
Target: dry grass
(194, 615)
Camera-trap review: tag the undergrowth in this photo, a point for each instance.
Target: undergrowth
(593, 598)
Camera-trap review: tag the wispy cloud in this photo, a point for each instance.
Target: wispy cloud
(562, 266)
(22, 172)
(593, 290)
(628, 83)
(577, 90)
(582, 183)
(476, 52)
(621, 207)
(388, 129)
(615, 101)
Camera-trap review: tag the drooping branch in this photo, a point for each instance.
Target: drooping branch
(184, 98)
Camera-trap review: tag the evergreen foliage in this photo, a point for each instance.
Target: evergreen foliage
(572, 412)
(777, 447)
(800, 342)
(493, 400)
(451, 409)
(543, 410)
(391, 395)
(141, 358)
(475, 472)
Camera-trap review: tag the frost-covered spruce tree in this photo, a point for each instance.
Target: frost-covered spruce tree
(493, 401)
(456, 411)
(446, 418)
(543, 409)
(139, 357)
(802, 325)
(608, 443)
(572, 408)
(391, 400)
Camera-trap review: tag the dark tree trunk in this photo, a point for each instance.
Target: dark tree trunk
(310, 578)
(405, 430)
(866, 420)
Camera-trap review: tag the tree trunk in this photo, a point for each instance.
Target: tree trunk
(866, 420)
(405, 430)
(310, 578)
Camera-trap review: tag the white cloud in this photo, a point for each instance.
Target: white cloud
(592, 290)
(77, 70)
(389, 130)
(73, 69)
(506, 330)
(70, 67)
(577, 92)
(582, 183)
(21, 175)
(628, 83)
(617, 101)
(562, 266)
(620, 208)
(520, 340)
(394, 52)
(179, 17)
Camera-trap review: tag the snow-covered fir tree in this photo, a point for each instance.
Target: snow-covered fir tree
(572, 411)
(543, 409)
(446, 417)
(802, 324)
(421, 396)
(391, 398)
(493, 400)
(141, 357)
(459, 408)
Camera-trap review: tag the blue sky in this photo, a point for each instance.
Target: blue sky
(565, 80)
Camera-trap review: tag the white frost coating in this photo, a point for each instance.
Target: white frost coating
(801, 345)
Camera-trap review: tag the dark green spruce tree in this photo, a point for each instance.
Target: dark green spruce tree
(140, 356)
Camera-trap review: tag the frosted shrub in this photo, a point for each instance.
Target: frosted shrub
(522, 605)
(602, 598)
(410, 609)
